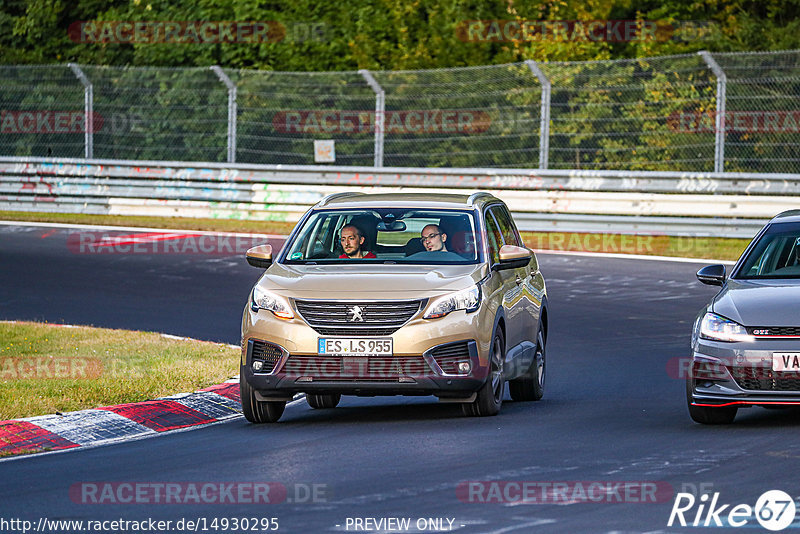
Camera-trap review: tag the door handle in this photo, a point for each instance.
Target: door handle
(518, 281)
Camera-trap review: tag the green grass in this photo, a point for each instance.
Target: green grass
(717, 248)
(172, 223)
(46, 369)
(659, 245)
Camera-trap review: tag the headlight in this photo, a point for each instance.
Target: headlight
(266, 300)
(467, 299)
(719, 328)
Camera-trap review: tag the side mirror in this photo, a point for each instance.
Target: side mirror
(713, 275)
(259, 256)
(513, 257)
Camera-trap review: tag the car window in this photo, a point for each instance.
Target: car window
(390, 234)
(494, 237)
(506, 225)
(775, 255)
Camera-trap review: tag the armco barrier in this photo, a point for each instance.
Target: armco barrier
(671, 203)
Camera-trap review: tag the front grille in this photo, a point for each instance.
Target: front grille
(336, 318)
(774, 330)
(269, 353)
(364, 368)
(764, 379)
(448, 356)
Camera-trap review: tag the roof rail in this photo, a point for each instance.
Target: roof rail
(334, 196)
(787, 213)
(474, 197)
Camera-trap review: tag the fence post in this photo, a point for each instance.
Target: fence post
(719, 123)
(380, 114)
(232, 111)
(544, 114)
(88, 110)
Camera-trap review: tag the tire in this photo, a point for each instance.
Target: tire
(708, 415)
(530, 386)
(257, 411)
(490, 396)
(323, 401)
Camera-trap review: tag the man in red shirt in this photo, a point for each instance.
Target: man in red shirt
(351, 240)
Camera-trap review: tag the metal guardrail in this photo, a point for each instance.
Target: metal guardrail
(670, 203)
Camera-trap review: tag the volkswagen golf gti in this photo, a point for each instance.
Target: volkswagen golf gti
(746, 342)
(395, 294)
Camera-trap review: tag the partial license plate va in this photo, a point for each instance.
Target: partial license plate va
(786, 361)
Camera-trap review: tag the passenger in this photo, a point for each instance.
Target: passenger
(352, 239)
(433, 238)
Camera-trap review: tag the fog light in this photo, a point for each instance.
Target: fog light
(464, 367)
(258, 365)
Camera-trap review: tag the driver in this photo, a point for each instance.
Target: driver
(352, 239)
(433, 238)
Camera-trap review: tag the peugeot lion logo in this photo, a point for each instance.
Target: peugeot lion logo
(356, 314)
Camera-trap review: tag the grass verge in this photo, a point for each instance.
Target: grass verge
(717, 248)
(172, 223)
(46, 368)
(646, 244)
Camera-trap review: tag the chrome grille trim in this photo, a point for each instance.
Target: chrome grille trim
(381, 317)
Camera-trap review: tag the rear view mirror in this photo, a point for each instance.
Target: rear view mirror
(713, 275)
(394, 226)
(259, 256)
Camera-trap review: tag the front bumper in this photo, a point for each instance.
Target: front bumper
(293, 364)
(741, 374)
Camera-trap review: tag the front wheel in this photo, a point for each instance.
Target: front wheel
(323, 401)
(490, 396)
(530, 386)
(257, 411)
(709, 415)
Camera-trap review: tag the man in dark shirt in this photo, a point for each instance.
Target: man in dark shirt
(352, 240)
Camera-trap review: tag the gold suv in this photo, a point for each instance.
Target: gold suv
(395, 294)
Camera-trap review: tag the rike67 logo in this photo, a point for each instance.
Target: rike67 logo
(774, 510)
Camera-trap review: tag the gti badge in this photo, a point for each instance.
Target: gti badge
(356, 314)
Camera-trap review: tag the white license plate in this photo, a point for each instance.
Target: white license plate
(786, 361)
(355, 346)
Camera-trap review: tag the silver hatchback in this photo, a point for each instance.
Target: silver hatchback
(746, 342)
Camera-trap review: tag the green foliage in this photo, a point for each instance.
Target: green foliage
(385, 34)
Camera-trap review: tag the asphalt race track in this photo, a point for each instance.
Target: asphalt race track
(612, 412)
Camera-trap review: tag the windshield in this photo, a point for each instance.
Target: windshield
(775, 255)
(386, 236)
